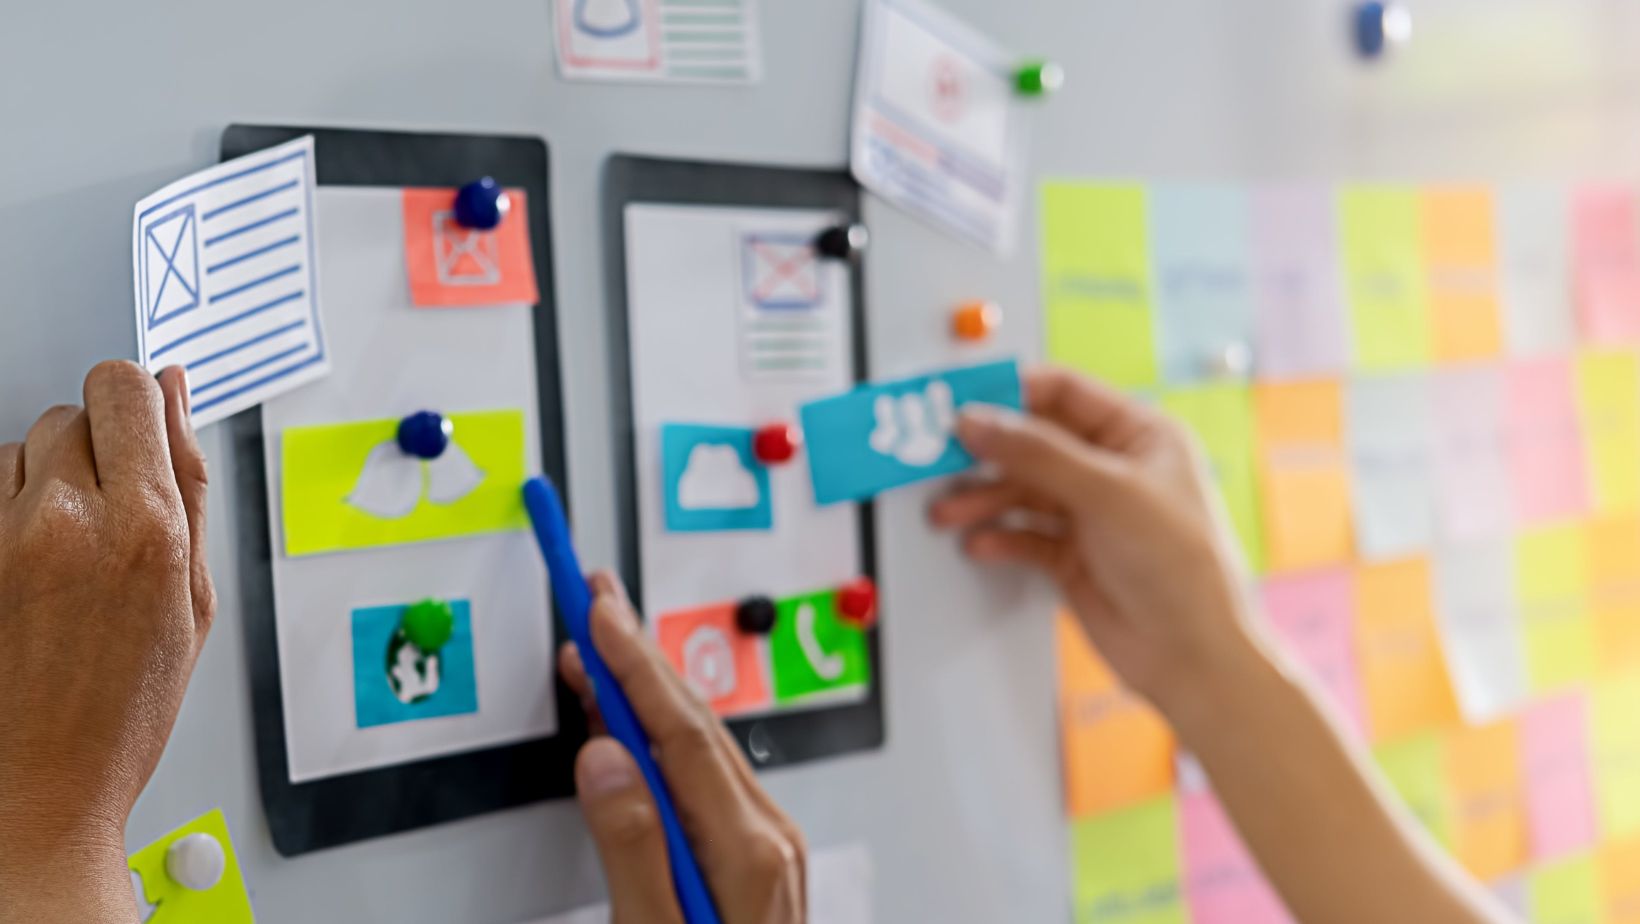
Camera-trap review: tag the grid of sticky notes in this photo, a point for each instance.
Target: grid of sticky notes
(1422, 408)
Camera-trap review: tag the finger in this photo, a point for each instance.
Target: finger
(11, 470)
(626, 827)
(1040, 455)
(59, 446)
(188, 465)
(970, 506)
(1093, 410)
(1018, 546)
(129, 437)
(575, 676)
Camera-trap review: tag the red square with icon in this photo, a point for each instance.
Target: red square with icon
(717, 659)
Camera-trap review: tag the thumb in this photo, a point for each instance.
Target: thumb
(1039, 454)
(627, 829)
(188, 461)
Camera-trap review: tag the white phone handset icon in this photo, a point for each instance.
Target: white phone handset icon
(826, 666)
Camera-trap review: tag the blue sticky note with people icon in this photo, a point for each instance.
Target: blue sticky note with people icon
(712, 480)
(891, 434)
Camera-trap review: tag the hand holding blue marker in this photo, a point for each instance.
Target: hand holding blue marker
(569, 586)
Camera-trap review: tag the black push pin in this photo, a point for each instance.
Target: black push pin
(844, 242)
(755, 615)
(425, 434)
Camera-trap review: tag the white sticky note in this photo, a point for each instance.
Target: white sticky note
(226, 283)
(659, 41)
(1535, 253)
(1481, 632)
(1204, 295)
(1390, 434)
(1473, 500)
(934, 127)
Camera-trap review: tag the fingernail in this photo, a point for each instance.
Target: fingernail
(187, 396)
(605, 768)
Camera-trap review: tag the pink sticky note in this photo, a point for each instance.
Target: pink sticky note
(1297, 288)
(1545, 441)
(1606, 261)
(1555, 756)
(1315, 614)
(1471, 453)
(1222, 883)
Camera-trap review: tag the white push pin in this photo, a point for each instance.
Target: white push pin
(196, 862)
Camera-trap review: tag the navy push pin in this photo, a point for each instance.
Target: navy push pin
(1379, 25)
(843, 242)
(482, 204)
(425, 434)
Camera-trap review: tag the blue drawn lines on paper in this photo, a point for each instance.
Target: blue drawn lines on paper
(226, 282)
(789, 324)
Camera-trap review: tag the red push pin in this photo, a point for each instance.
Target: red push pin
(857, 603)
(776, 444)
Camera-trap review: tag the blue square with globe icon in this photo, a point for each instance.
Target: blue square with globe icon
(395, 681)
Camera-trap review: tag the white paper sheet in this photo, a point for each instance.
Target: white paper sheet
(936, 130)
(223, 267)
(659, 41)
(1471, 453)
(1534, 249)
(1390, 436)
(1481, 633)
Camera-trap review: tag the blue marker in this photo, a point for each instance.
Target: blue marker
(569, 586)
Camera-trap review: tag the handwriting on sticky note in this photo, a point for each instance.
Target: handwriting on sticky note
(1402, 670)
(1221, 416)
(1536, 256)
(1222, 883)
(1480, 628)
(1606, 261)
(1554, 741)
(1552, 575)
(1204, 298)
(1617, 755)
(1117, 750)
(1391, 433)
(1614, 591)
(1415, 769)
(1471, 453)
(1096, 260)
(1608, 400)
(1488, 799)
(1314, 613)
(1460, 248)
(1296, 283)
(1545, 441)
(1384, 276)
(1125, 865)
(1303, 478)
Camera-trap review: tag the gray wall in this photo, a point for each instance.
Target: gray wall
(100, 105)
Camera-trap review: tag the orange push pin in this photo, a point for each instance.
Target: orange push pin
(975, 321)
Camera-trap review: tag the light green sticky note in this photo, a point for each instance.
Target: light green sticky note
(225, 903)
(1125, 865)
(1552, 574)
(1415, 768)
(1097, 285)
(1566, 892)
(1616, 726)
(1221, 416)
(347, 486)
(1385, 277)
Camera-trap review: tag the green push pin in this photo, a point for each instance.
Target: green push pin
(1039, 78)
(428, 624)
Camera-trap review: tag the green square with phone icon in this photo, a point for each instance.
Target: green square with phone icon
(813, 650)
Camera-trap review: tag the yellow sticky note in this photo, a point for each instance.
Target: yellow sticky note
(1415, 770)
(225, 903)
(1619, 865)
(1125, 866)
(1385, 280)
(1117, 750)
(1567, 892)
(1616, 723)
(1608, 397)
(348, 486)
(1552, 578)
(1222, 418)
(1097, 284)
(1303, 478)
(1461, 253)
(1614, 591)
(1402, 669)
(1488, 799)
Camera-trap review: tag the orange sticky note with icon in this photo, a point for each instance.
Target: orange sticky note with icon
(1402, 670)
(452, 266)
(1483, 770)
(1118, 751)
(721, 662)
(1461, 257)
(1303, 475)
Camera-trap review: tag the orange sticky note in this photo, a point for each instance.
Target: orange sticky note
(1614, 591)
(1402, 670)
(1461, 254)
(1619, 865)
(1118, 751)
(721, 662)
(1488, 798)
(456, 267)
(1303, 475)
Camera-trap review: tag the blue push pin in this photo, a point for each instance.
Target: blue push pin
(425, 434)
(1378, 25)
(482, 204)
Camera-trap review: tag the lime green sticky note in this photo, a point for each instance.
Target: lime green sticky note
(1552, 578)
(1566, 892)
(1608, 397)
(1415, 768)
(813, 651)
(1221, 416)
(225, 903)
(348, 486)
(1097, 285)
(1616, 728)
(1385, 278)
(1125, 866)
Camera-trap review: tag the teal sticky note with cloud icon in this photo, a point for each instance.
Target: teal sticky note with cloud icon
(712, 480)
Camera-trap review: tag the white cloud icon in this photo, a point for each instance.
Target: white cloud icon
(715, 479)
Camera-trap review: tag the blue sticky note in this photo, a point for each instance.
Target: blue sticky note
(712, 480)
(1204, 293)
(891, 434)
(393, 681)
